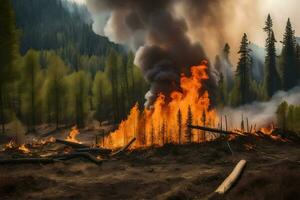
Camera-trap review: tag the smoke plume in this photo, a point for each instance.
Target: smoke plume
(166, 34)
(163, 49)
(261, 114)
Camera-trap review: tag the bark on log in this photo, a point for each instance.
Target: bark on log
(213, 130)
(232, 178)
(122, 150)
(84, 155)
(228, 182)
(71, 144)
(100, 151)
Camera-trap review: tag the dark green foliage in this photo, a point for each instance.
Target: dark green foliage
(288, 58)
(271, 77)
(53, 26)
(8, 52)
(242, 91)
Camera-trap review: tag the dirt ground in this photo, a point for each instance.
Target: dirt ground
(170, 172)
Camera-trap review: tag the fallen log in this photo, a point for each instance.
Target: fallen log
(232, 178)
(229, 181)
(84, 155)
(122, 150)
(100, 151)
(214, 130)
(27, 161)
(71, 144)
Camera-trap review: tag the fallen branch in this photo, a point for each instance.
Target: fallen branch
(122, 150)
(71, 144)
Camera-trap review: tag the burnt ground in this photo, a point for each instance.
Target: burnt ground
(170, 172)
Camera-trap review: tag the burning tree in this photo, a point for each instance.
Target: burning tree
(189, 121)
(163, 121)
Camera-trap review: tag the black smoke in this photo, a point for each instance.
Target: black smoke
(151, 27)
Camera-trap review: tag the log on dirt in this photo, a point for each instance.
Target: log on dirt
(100, 151)
(71, 144)
(27, 161)
(232, 178)
(84, 155)
(125, 148)
(213, 130)
(229, 181)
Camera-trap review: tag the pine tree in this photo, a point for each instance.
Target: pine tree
(288, 58)
(271, 76)
(298, 61)
(8, 51)
(189, 121)
(243, 74)
(179, 123)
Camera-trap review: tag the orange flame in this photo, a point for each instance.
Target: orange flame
(24, 149)
(73, 134)
(166, 122)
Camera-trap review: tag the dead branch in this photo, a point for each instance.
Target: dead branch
(71, 144)
(122, 150)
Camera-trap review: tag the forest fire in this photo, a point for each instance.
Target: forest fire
(166, 122)
(73, 134)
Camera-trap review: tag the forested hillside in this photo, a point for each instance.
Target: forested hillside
(58, 71)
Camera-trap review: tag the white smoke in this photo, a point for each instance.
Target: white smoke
(260, 113)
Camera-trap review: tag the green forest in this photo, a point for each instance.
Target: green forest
(55, 70)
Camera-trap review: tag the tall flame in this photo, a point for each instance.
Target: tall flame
(166, 122)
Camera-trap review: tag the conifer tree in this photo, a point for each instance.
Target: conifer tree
(179, 123)
(288, 58)
(243, 74)
(226, 52)
(189, 121)
(282, 115)
(8, 51)
(271, 76)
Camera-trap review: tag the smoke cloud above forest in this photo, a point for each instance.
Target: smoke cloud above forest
(168, 36)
